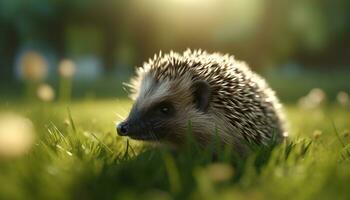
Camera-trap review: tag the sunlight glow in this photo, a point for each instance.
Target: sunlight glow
(198, 19)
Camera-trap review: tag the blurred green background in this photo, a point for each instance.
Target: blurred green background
(63, 62)
(297, 45)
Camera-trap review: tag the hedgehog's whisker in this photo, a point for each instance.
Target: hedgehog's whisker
(119, 116)
(152, 134)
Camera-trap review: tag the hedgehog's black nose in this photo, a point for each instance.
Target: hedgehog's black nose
(122, 129)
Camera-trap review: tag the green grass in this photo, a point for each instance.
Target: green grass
(79, 156)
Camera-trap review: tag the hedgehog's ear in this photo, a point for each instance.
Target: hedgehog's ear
(201, 94)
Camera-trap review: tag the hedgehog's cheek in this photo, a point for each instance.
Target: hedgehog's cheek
(159, 132)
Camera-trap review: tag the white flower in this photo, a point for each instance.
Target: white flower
(313, 99)
(343, 98)
(16, 135)
(66, 68)
(304, 102)
(45, 92)
(33, 66)
(317, 96)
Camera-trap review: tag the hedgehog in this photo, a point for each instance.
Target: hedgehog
(214, 94)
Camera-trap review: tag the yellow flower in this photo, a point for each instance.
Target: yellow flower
(220, 172)
(33, 66)
(346, 133)
(16, 135)
(66, 68)
(317, 134)
(45, 92)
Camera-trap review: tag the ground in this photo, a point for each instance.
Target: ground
(77, 155)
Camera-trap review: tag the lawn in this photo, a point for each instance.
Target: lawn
(77, 155)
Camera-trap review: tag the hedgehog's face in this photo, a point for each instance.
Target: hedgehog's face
(162, 111)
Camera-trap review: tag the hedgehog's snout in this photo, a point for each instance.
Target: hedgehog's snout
(131, 127)
(123, 128)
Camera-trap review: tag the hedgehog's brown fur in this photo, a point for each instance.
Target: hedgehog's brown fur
(242, 105)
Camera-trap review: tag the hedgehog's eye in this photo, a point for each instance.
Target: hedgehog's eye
(165, 108)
